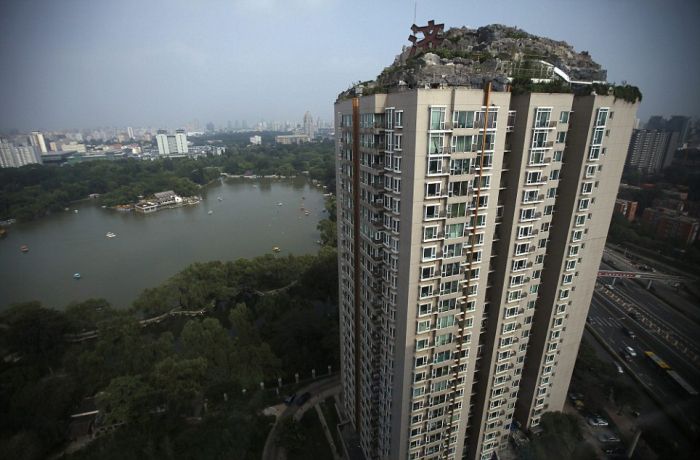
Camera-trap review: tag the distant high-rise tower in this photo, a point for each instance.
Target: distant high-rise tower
(36, 139)
(14, 156)
(471, 224)
(309, 128)
(130, 132)
(169, 144)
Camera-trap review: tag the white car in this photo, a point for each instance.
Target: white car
(630, 351)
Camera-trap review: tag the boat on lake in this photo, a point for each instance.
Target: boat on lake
(210, 212)
(76, 276)
(219, 198)
(279, 204)
(24, 248)
(110, 235)
(276, 249)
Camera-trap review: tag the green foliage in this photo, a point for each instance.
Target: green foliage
(560, 438)
(33, 191)
(524, 85)
(266, 318)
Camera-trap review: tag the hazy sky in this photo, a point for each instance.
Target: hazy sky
(88, 63)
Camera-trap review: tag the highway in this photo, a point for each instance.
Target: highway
(657, 327)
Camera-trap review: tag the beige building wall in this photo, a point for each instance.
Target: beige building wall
(447, 288)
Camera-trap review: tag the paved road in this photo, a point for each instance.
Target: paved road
(607, 319)
(319, 390)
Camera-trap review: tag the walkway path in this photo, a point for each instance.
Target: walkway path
(319, 391)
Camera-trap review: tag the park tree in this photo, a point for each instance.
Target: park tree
(127, 399)
(180, 382)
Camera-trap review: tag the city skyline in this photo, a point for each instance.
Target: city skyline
(66, 71)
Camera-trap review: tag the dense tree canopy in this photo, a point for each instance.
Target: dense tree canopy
(32, 191)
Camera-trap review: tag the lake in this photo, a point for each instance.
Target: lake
(148, 249)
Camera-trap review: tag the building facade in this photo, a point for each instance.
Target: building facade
(670, 224)
(36, 139)
(169, 144)
(14, 156)
(470, 228)
(648, 149)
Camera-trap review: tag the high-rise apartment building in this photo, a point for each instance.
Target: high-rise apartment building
(471, 223)
(169, 144)
(36, 139)
(14, 156)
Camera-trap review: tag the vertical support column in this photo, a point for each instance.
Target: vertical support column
(357, 269)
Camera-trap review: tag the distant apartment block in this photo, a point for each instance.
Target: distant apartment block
(169, 144)
(36, 139)
(290, 139)
(627, 208)
(648, 149)
(668, 224)
(256, 140)
(14, 156)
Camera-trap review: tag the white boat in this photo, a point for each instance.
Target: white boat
(210, 212)
(75, 211)
(220, 199)
(279, 204)
(76, 276)
(110, 235)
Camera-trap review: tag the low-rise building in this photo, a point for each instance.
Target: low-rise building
(627, 208)
(669, 224)
(290, 139)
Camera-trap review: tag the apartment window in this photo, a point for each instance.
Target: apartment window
(422, 344)
(436, 144)
(444, 339)
(437, 118)
(426, 291)
(517, 280)
(460, 188)
(577, 235)
(522, 248)
(580, 220)
(561, 137)
(536, 157)
(462, 144)
(561, 308)
(430, 233)
(451, 269)
(398, 119)
(594, 153)
(564, 117)
(587, 187)
(542, 117)
(429, 253)
(456, 209)
(548, 210)
(554, 174)
(552, 192)
(570, 265)
(445, 321)
(427, 272)
(597, 138)
(573, 250)
(463, 119)
(525, 231)
(602, 116)
(447, 305)
(442, 356)
(434, 166)
(536, 274)
(452, 250)
(519, 264)
(530, 195)
(528, 214)
(539, 259)
(514, 296)
(568, 278)
(454, 231)
(432, 211)
(398, 141)
(482, 182)
(420, 391)
(533, 177)
(432, 189)
(461, 166)
(583, 204)
(558, 155)
(590, 171)
(563, 294)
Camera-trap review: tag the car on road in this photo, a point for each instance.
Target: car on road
(575, 396)
(290, 399)
(303, 398)
(630, 351)
(619, 368)
(629, 332)
(597, 420)
(608, 437)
